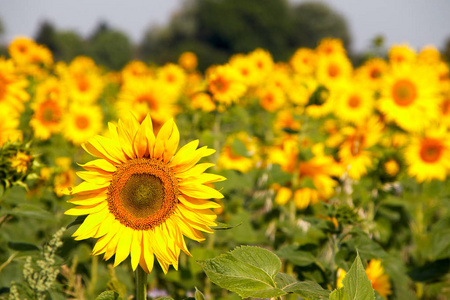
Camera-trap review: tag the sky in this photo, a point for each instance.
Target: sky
(416, 22)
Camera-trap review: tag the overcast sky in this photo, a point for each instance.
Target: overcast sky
(417, 22)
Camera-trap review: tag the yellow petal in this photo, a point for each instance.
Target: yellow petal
(197, 203)
(94, 177)
(136, 248)
(124, 246)
(140, 143)
(89, 199)
(86, 209)
(86, 188)
(90, 222)
(194, 171)
(112, 245)
(99, 165)
(105, 226)
(200, 191)
(185, 152)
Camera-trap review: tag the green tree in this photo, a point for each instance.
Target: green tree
(109, 47)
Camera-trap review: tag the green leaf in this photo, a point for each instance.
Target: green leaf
(223, 226)
(239, 148)
(258, 257)
(199, 295)
(247, 271)
(109, 295)
(356, 283)
(308, 289)
(282, 280)
(78, 221)
(297, 257)
(338, 294)
(18, 246)
(31, 211)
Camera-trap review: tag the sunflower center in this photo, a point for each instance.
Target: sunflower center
(143, 193)
(81, 122)
(445, 106)
(375, 73)
(83, 84)
(149, 100)
(333, 70)
(354, 101)
(431, 151)
(404, 92)
(220, 85)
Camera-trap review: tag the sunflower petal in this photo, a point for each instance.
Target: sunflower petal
(197, 203)
(99, 165)
(136, 248)
(140, 143)
(86, 209)
(124, 246)
(200, 191)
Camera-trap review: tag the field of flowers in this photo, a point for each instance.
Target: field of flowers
(305, 179)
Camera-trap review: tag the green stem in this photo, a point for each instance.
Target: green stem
(141, 284)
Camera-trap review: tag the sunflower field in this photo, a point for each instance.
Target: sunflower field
(305, 179)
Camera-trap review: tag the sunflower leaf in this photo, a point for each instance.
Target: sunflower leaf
(109, 295)
(18, 246)
(199, 295)
(223, 226)
(338, 294)
(307, 289)
(356, 283)
(248, 271)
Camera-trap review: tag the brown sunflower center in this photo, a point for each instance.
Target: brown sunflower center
(333, 70)
(431, 150)
(219, 85)
(81, 122)
(143, 193)
(354, 101)
(404, 92)
(375, 73)
(3, 85)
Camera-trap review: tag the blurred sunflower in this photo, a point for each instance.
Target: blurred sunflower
(135, 70)
(172, 78)
(246, 68)
(81, 122)
(225, 85)
(333, 70)
(188, 61)
(409, 97)
(370, 74)
(303, 61)
(354, 152)
(21, 49)
(400, 54)
(444, 111)
(12, 87)
(239, 153)
(352, 103)
(429, 55)
(9, 124)
(142, 196)
(46, 119)
(263, 62)
(271, 98)
(330, 47)
(378, 278)
(428, 157)
(203, 102)
(146, 96)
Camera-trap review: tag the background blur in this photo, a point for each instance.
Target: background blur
(114, 31)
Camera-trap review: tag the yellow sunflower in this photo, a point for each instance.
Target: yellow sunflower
(429, 55)
(246, 69)
(409, 97)
(172, 78)
(225, 85)
(370, 74)
(353, 152)
(400, 54)
(203, 102)
(263, 62)
(379, 279)
(12, 87)
(353, 103)
(46, 119)
(188, 61)
(142, 196)
(428, 157)
(333, 70)
(444, 111)
(330, 47)
(21, 49)
(9, 126)
(271, 98)
(229, 159)
(81, 122)
(145, 96)
(135, 70)
(303, 61)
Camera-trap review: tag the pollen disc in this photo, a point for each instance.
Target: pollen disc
(143, 193)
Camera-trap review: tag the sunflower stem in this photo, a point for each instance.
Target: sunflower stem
(141, 284)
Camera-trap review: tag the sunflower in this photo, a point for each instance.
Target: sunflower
(399, 54)
(330, 47)
(21, 49)
(203, 102)
(142, 197)
(81, 122)
(429, 55)
(263, 62)
(303, 61)
(271, 98)
(244, 159)
(172, 78)
(354, 152)
(146, 96)
(428, 157)
(371, 73)
(135, 70)
(9, 126)
(409, 97)
(444, 111)
(333, 70)
(380, 280)
(188, 61)
(225, 85)
(12, 87)
(46, 119)
(353, 103)
(246, 68)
